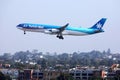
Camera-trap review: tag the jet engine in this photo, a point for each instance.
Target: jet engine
(51, 31)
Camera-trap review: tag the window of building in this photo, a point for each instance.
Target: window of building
(90, 74)
(84, 74)
(77, 78)
(77, 74)
(40, 77)
(72, 74)
(40, 73)
(84, 77)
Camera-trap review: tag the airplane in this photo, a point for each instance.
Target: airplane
(59, 31)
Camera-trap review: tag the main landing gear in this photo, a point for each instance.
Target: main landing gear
(60, 36)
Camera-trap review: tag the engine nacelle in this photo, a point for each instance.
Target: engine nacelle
(47, 32)
(51, 31)
(54, 30)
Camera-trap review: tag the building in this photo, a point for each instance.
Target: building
(0, 65)
(87, 74)
(30, 74)
(114, 74)
(12, 72)
(37, 75)
(111, 75)
(7, 65)
(48, 75)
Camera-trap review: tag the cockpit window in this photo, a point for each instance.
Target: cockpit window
(20, 25)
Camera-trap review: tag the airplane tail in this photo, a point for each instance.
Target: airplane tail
(99, 24)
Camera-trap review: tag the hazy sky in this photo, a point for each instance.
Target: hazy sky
(78, 13)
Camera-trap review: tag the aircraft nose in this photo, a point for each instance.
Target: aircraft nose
(19, 26)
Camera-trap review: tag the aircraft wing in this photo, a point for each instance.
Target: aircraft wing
(61, 29)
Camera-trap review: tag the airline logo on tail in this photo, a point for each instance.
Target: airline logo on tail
(99, 26)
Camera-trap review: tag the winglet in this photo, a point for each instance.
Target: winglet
(67, 24)
(63, 27)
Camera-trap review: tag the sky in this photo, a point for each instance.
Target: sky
(78, 13)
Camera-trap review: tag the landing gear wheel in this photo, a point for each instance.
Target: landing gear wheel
(24, 32)
(57, 36)
(60, 37)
